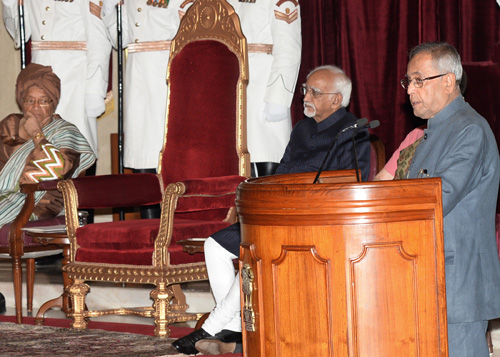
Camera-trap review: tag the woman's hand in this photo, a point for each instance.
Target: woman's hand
(32, 126)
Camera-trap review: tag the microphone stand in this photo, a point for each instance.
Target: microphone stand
(355, 156)
(359, 123)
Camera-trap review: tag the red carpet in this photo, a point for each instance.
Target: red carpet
(111, 326)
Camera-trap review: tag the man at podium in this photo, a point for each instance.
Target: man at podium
(459, 147)
(327, 93)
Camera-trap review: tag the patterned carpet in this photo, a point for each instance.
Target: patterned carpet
(31, 340)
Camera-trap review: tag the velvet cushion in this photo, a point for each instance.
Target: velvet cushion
(203, 135)
(132, 242)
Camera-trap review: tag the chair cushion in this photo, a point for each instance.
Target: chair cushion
(132, 242)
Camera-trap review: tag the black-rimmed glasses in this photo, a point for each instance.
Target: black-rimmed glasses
(314, 92)
(419, 82)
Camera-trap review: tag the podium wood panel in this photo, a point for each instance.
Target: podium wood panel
(342, 269)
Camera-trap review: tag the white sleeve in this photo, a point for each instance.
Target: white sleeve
(98, 51)
(10, 11)
(287, 46)
(109, 19)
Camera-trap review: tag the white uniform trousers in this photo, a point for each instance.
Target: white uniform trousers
(225, 284)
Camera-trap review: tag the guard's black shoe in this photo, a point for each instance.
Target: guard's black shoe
(186, 344)
(2, 304)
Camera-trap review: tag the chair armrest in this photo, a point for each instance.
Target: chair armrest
(16, 241)
(212, 185)
(208, 193)
(123, 190)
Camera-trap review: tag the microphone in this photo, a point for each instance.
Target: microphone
(372, 124)
(360, 123)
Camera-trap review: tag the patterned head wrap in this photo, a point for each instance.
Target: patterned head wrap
(41, 76)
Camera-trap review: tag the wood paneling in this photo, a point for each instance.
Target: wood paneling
(342, 269)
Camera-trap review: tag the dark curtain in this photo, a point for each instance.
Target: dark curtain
(370, 40)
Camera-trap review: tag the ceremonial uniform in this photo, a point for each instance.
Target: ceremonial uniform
(147, 33)
(273, 32)
(69, 36)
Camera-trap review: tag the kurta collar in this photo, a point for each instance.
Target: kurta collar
(332, 119)
(447, 112)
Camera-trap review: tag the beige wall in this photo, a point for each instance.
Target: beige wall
(9, 69)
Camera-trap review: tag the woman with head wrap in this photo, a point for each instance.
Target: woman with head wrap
(38, 145)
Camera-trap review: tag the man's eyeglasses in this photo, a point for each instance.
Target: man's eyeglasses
(419, 82)
(314, 92)
(43, 102)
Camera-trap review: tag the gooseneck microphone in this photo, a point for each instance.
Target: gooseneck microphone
(359, 124)
(370, 125)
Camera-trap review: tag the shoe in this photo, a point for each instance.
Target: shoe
(2, 304)
(186, 344)
(215, 347)
(228, 336)
(225, 341)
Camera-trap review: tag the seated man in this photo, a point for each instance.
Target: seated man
(38, 145)
(326, 95)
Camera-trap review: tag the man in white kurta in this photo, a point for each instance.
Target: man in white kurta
(71, 37)
(148, 28)
(273, 32)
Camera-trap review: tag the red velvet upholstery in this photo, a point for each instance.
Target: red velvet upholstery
(187, 155)
(203, 159)
(132, 242)
(200, 151)
(118, 190)
(203, 134)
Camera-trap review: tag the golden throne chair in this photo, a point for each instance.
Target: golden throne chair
(203, 159)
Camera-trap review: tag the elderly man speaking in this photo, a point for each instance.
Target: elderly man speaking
(459, 147)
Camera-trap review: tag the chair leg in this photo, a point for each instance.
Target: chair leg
(201, 321)
(161, 297)
(17, 273)
(30, 283)
(77, 292)
(179, 299)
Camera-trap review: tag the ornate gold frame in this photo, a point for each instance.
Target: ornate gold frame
(204, 20)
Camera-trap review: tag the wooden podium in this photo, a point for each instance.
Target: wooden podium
(342, 268)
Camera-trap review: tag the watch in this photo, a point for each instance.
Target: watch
(38, 135)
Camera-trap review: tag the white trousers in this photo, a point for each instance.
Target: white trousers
(225, 284)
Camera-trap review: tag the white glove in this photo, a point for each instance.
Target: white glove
(108, 6)
(94, 105)
(275, 112)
